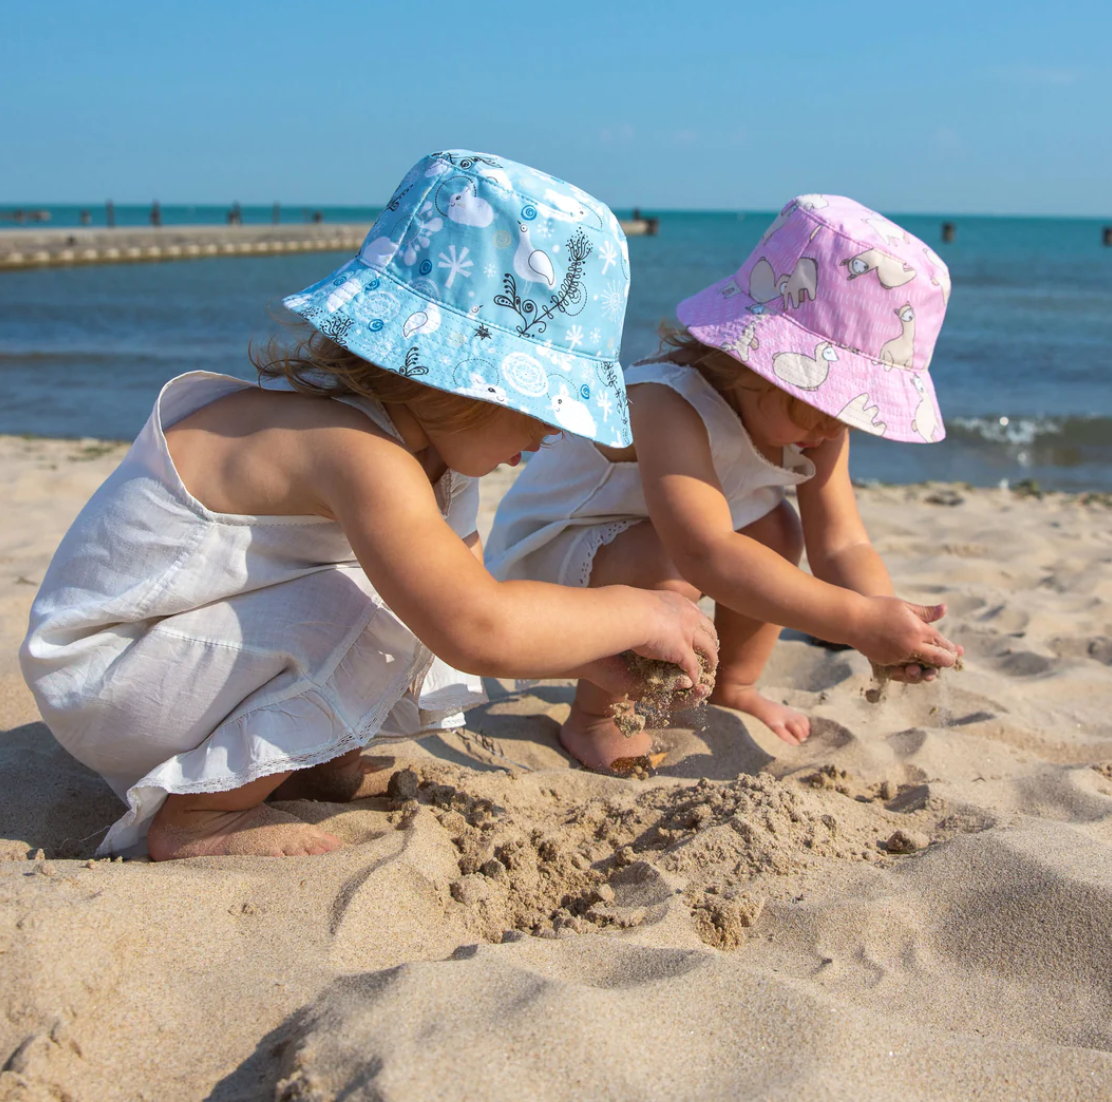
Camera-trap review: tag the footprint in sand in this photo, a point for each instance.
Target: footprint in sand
(1005, 619)
(826, 735)
(1024, 663)
(1098, 648)
(963, 604)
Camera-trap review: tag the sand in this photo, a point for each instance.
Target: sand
(915, 904)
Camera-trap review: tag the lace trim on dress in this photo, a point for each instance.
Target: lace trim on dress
(579, 571)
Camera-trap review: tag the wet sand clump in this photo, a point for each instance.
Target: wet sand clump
(882, 675)
(659, 696)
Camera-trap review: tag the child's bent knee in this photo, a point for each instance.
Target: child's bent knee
(780, 531)
(681, 586)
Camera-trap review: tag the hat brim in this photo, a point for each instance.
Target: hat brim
(391, 325)
(878, 397)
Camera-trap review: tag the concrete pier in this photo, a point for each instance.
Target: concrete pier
(640, 227)
(34, 248)
(39, 248)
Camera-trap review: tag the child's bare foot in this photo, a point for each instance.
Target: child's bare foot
(595, 740)
(784, 722)
(351, 776)
(179, 830)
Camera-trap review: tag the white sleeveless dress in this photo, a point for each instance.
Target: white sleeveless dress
(177, 650)
(570, 500)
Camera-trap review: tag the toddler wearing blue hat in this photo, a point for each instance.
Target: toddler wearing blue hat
(276, 574)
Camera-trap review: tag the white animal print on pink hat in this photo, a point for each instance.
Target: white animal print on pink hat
(839, 307)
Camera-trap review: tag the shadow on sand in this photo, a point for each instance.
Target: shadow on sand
(50, 800)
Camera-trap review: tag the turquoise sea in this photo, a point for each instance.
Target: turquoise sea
(1023, 368)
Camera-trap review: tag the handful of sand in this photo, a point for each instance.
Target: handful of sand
(883, 674)
(659, 695)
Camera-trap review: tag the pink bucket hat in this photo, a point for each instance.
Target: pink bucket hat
(840, 308)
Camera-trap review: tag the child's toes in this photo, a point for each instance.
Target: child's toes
(784, 732)
(320, 842)
(785, 723)
(799, 726)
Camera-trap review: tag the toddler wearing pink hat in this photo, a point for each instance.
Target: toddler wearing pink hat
(830, 323)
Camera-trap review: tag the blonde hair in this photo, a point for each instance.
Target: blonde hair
(725, 373)
(315, 364)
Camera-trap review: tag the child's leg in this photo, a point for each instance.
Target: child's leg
(745, 644)
(635, 557)
(237, 822)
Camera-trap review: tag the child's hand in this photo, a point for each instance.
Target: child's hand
(914, 673)
(896, 633)
(682, 635)
(681, 632)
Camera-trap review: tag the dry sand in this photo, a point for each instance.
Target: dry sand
(915, 904)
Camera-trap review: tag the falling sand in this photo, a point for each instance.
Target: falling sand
(659, 695)
(882, 676)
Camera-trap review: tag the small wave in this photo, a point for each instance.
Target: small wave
(1023, 431)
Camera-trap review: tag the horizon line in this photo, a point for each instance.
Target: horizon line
(6, 205)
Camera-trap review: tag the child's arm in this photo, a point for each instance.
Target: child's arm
(692, 517)
(838, 546)
(433, 581)
(611, 672)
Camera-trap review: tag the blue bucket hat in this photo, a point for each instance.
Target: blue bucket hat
(492, 280)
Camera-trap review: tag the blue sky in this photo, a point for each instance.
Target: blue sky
(980, 106)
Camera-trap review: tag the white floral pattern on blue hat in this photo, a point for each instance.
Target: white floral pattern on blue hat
(493, 280)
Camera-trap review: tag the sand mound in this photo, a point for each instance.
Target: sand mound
(555, 861)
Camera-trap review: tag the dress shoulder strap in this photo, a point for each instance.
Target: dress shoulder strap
(369, 407)
(736, 458)
(721, 421)
(373, 410)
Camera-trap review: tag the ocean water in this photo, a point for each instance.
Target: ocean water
(1023, 368)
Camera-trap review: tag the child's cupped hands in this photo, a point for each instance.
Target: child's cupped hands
(901, 636)
(679, 635)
